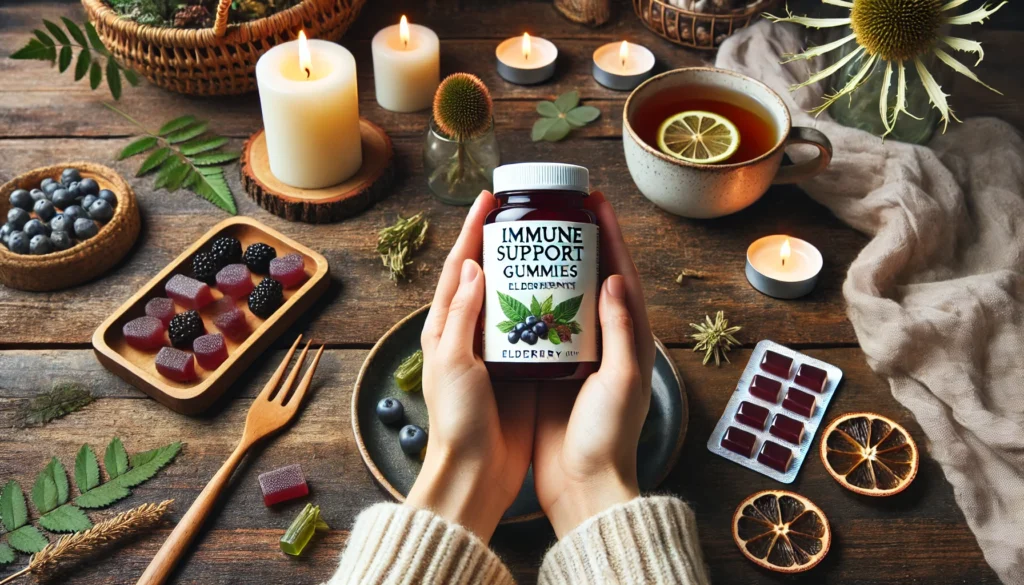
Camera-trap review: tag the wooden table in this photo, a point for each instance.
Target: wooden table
(918, 536)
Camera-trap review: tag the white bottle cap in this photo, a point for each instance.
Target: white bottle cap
(541, 176)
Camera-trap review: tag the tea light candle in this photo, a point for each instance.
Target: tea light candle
(783, 267)
(406, 66)
(622, 66)
(310, 112)
(526, 60)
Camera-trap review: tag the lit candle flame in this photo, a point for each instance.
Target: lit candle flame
(785, 251)
(526, 46)
(305, 60)
(403, 31)
(624, 53)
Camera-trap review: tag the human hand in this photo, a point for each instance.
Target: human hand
(480, 440)
(584, 458)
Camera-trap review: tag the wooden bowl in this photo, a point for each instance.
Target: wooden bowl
(138, 367)
(85, 260)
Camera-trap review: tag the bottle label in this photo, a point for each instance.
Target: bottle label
(541, 281)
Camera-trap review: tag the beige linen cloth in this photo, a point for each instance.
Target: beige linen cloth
(937, 296)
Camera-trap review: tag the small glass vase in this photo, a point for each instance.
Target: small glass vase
(458, 170)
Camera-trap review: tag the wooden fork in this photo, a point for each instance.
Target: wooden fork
(268, 413)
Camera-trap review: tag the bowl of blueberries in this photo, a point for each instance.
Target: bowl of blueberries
(64, 225)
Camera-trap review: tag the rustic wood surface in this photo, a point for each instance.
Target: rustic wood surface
(918, 536)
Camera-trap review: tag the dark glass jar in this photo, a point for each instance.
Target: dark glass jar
(541, 269)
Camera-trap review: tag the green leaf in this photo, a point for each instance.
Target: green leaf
(6, 554)
(506, 326)
(204, 144)
(164, 172)
(13, 511)
(44, 492)
(43, 38)
(209, 183)
(150, 463)
(154, 160)
(64, 61)
(76, 33)
(114, 78)
(87, 469)
(95, 75)
(56, 32)
(547, 109)
(583, 115)
(103, 496)
(566, 310)
(66, 518)
(559, 130)
(27, 539)
(541, 127)
(129, 75)
(139, 146)
(512, 308)
(535, 308)
(175, 124)
(215, 158)
(547, 305)
(60, 400)
(94, 39)
(179, 176)
(553, 337)
(187, 133)
(82, 65)
(116, 458)
(567, 101)
(35, 50)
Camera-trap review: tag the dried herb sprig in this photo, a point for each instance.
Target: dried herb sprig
(71, 550)
(687, 273)
(397, 243)
(61, 400)
(714, 338)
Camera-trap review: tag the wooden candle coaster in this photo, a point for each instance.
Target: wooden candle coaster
(369, 185)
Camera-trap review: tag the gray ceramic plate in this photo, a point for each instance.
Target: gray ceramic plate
(660, 442)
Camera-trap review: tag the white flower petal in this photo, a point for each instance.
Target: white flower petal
(976, 16)
(953, 4)
(809, 22)
(819, 50)
(935, 94)
(850, 86)
(828, 70)
(961, 68)
(965, 45)
(901, 96)
(883, 100)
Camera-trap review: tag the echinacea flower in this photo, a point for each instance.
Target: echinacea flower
(894, 31)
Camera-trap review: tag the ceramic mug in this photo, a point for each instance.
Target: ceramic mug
(714, 190)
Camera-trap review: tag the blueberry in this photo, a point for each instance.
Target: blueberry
(17, 242)
(63, 198)
(412, 439)
(520, 327)
(87, 201)
(89, 187)
(61, 240)
(45, 182)
(70, 175)
(20, 198)
(390, 411)
(100, 210)
(40, 244)
(37, 194)
(60, 223)
(44, 210)
(85, 228)
(51, 188)
(529, 337)
(541, 329)
(17, 217)
(108, 196)
(75, 191)
(5, 232)
(513, 337)
(73, 213)
(531, 321)
(35, 227)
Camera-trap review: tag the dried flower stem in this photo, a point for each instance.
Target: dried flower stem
(687, 273)
(63, 555)
(397, 243)
(714, 338)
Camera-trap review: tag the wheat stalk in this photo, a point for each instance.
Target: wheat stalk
(58, 557)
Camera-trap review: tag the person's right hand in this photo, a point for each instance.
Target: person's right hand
(584, 457)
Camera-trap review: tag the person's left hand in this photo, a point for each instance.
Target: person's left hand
(480, 441)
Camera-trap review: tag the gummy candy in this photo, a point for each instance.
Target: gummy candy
(162, 308)
(230, 320)
(176, 365)
(210, 350)
(289, 270)
(188, 292)
(235, 280)
(145, 333)
(286, 483)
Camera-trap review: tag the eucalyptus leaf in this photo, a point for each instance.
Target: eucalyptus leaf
(559, 130)
(541, 127)
(547, 109)
(567, 101)
(583, 115)
(82, 64)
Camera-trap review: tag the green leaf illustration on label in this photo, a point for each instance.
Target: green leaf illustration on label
(550, 322)
(565, 311)
(513, 309)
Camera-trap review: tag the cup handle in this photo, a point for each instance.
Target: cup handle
(805, 170)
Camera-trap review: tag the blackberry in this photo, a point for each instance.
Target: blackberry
(205, 267)
(564, 333)
(265, 298)
(226, 251)
(258, 257)
(185, 328)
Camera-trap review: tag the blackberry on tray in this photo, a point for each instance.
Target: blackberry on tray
(266, 298)
(205, 267)
(258, 257)
(226, 250)
(185, 328)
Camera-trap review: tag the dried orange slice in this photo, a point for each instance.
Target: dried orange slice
(781, 531)
(869, 454)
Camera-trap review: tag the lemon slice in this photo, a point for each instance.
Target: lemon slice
(698, 137)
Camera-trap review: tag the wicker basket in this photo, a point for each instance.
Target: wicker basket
(219, 60)
(696, 30)
(85, 260)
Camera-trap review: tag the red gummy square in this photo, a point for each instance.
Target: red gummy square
(286, 483)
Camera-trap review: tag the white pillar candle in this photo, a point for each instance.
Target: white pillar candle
(310, 112)
(406, 66)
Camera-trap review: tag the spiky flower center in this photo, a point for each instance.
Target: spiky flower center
(896, 30)
(462, 106)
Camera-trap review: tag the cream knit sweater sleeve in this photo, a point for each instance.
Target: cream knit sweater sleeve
(648, 541)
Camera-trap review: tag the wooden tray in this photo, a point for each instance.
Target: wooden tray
(85, 260)
(138, 367)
